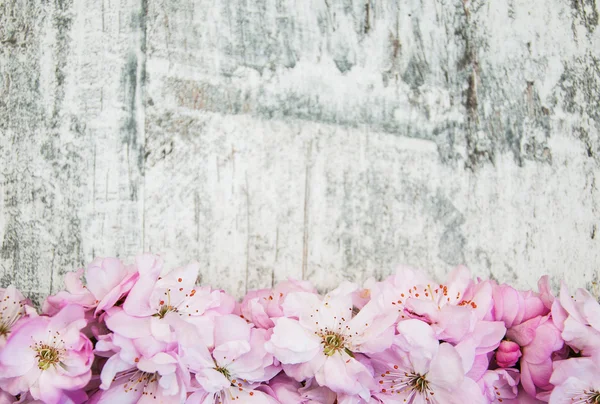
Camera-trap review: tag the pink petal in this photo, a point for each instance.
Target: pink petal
(128, 326)
(291, 343)
(445, 370)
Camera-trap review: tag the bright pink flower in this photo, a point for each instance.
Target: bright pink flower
(322, 342)
(418, 369)
(577, 380)
(47, 356)
(106, 281)
(14, 309)
(261, 306)
(508, 354)
(288, 391)
(540, 340)
(235, 367)
(500, 385)
(514, 307)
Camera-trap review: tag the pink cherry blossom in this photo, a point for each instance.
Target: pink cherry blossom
(106, 281)
(577, 380)
(459, 312)
(260, 306)
(508, 354)
(418, 369)
(456, 310)
(235, 367)
(14, 309)
(47, 356)
(500, 386)
(288, 391)
(170, 307)
(322, 342)
(578, 317)
(514, 307)
(540, 341)
(160, 378)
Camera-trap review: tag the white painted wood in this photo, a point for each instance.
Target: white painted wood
(328, 140)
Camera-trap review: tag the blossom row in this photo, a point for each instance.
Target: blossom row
(138, 333)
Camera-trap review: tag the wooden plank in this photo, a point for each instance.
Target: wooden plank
(327, 140)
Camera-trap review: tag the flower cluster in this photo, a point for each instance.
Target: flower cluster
(138, 333)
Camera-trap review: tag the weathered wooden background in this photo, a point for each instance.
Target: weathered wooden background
(324, 139)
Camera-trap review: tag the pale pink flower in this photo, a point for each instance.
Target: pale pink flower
(69, 397)
(577, 380)
(288, 391)
(456, 310)
(322, 342)
(14, 308)
(261, 306)
(47, 356)
(160, 378)
(140, 369)
(459, 311)
(418, 369)
(106, 281)
(170, 308)
(500, 386)
(236, 365)
(578, 317)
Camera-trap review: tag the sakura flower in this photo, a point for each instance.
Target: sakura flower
(322, 342)
(500, 386)
(170, 307)
(47, 356)
(577, 380)
(289, 391)
(106, 281)
(514, 307)
(578, 317)
(508, 354)
(70, 398)
(459, 312)
(418, 369)
(540, 343)
(454, 310)
(160, 378)
(236, 365)
(260, 306)
(348, 399)
(13, 308)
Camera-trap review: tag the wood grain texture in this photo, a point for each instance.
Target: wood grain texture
(329, 139)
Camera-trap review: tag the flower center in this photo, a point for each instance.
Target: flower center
(418, 383)
(224, 372)
(164, 309)
(47, 355)
(332, 343)
(11, 310)
(137, 380)
(593, 397)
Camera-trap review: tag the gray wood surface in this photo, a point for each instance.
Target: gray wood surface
(317, 139)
